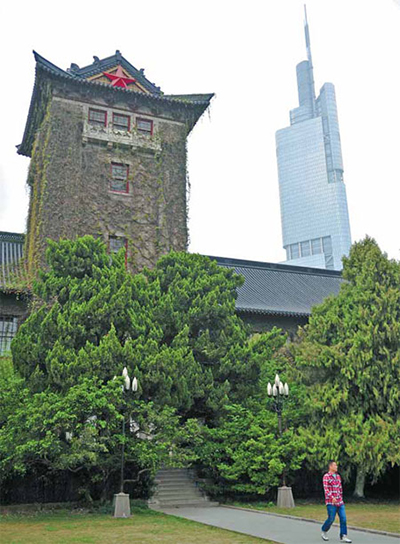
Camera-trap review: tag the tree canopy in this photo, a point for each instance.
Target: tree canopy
(202, 375)
(349, 355)
(174, 327)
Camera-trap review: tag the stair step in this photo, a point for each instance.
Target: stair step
(177, 487)
(172, 502)
(178, 490)
(169, 477)
(174, 481)
(174, 471)
(183, 494)
(173, 485)
(171, 470)
(174, 474)
(193, 505)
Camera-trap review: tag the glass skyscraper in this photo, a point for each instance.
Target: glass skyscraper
(315, 219)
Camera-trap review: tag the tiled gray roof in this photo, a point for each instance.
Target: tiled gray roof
(279, 289)
(11, 263)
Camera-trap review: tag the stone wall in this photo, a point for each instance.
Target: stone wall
(263, 322)
(13, 311)
(70, 179)
(12, 305)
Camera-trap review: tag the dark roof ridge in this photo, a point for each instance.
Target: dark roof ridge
(191, 97)
(47, 66)
(16, 235)
(276, 266)
(259, 311)
(46, 63)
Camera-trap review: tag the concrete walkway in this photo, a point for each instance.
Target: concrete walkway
(268, 526)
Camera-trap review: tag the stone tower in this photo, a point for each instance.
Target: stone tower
(108, 152)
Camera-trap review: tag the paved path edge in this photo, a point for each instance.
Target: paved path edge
(352, 527)
(223, 528)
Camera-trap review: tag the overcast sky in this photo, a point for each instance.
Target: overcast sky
(245, 52)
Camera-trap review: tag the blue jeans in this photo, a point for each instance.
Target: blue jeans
(332, 510)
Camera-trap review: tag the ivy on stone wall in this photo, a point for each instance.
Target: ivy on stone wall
(37, 179)
(70, 194)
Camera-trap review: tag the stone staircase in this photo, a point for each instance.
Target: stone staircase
(177, 487)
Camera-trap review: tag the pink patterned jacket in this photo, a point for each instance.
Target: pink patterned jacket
(333, 489)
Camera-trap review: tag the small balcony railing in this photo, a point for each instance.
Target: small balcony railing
(111, 137)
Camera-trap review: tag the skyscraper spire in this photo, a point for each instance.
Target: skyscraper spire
(309, 58)
(307, 33)
(315, 218)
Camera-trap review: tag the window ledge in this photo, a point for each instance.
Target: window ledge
(110, 136)
(119, 193)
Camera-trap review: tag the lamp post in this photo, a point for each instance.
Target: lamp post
(122, 507)
(279, 391)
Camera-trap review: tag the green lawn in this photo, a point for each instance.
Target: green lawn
(144, 527)
(371, 515)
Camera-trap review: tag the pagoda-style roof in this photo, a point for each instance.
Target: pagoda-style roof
(112, 79)
(98, 67)
(281, 289)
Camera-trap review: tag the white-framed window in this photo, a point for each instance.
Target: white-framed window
(144, 126)
(121, 122)
(294, 251)
(115, 243)
(8, 329)
(305, 248)
(97, 117)
(119, 182)
(316, 246)
(327, 244)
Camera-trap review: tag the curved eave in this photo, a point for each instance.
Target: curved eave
(17, 291)
(25, 147)
(276, 313)
(35, 115)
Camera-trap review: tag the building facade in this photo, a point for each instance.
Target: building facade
(14, 297)
(314, 212)
(108, 158)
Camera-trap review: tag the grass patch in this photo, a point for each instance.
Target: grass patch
(81, 527)
(370, 515)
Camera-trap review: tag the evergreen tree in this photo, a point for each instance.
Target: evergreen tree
(173, 327)
(79, 431)
(243, 452)
(349, 355)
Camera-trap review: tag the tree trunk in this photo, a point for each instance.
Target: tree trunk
(104, 489)
(360, 484)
